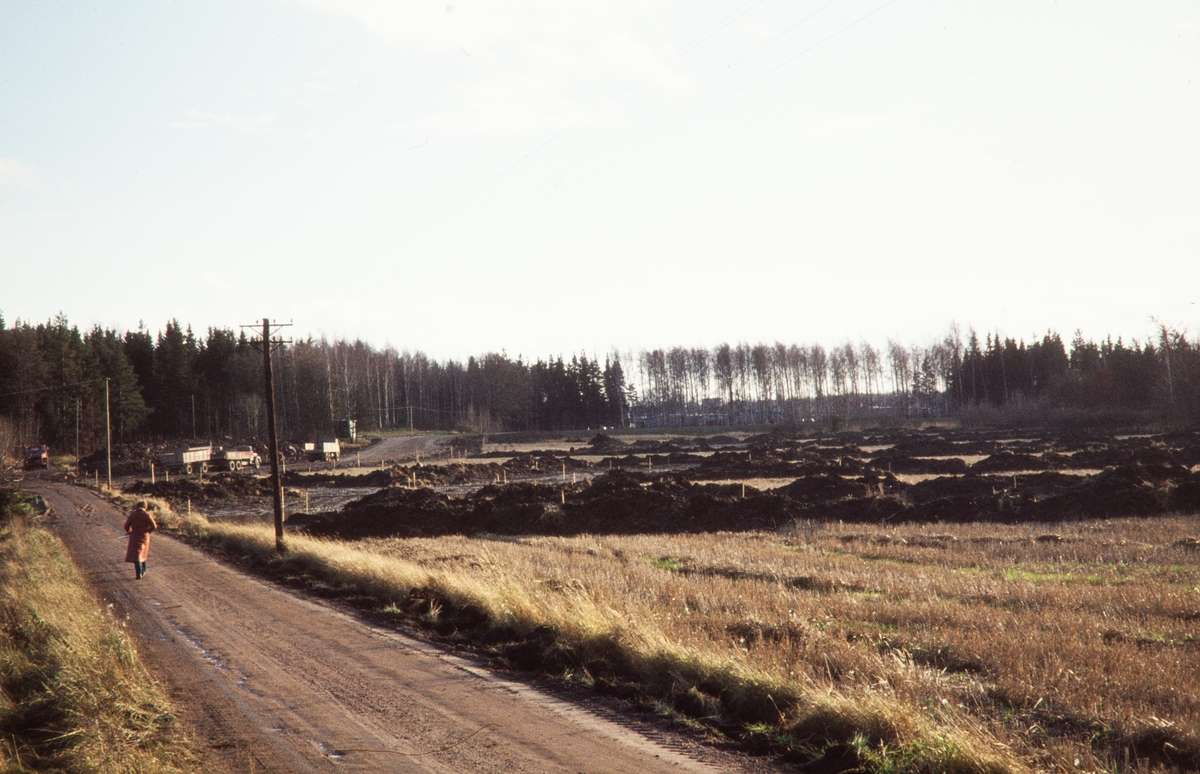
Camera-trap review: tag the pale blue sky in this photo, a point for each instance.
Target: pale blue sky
(546, 177)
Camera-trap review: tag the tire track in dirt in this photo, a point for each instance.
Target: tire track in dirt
(272, 681)
(400, 449)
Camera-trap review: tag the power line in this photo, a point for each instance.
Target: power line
(64, 388)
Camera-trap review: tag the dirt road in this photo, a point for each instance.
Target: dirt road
(401, 448)
(271, 681)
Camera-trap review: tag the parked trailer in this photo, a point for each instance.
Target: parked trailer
(235, 458)
(187, 459)
(37, 457)
(322, 450)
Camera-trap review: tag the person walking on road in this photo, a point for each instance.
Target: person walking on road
(138, 526)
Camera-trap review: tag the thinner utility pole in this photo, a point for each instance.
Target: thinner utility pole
(273, 435)
(108, 433)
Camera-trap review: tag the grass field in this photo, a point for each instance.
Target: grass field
(962, 648)
(1073, 643)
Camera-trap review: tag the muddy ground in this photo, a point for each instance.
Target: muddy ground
(683, 484)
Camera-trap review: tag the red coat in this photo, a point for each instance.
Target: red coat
(139, 525)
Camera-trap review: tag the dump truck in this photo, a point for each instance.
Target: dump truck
(187, 459)
(234, 458)
(323, 450)
(37, 457)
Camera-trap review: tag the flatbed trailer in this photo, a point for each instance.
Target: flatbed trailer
(323, 451)
(187, 459)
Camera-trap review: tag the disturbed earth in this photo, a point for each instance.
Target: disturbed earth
(723, 483)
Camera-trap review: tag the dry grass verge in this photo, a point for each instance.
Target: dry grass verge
(73, 697)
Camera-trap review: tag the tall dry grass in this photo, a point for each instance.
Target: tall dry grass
(962, 647)
(73, 696)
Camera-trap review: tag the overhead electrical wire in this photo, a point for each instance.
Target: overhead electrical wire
(63, 387)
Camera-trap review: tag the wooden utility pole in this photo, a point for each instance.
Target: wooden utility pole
(268, 345)
(108, 434)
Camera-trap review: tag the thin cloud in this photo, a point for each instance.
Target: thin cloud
(845, 125)
(15, 173)
(197, 119)
(449, 27)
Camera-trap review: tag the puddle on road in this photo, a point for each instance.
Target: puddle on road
(332, 754)
(205, 653)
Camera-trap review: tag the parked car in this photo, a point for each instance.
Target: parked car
(37, 457)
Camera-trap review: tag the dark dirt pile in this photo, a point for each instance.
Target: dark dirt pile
(774, 461)
(619, 502)
(894, 462)
(852, 477)
(216, 490)
(625, 502)
(1008, 461)
(635, 461)
(128, 459)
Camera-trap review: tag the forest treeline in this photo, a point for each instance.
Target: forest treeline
(174, 384)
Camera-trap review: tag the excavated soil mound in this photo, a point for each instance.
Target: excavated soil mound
(634, 461)
(1123, 454)
(619, 502)
(606, 444)
(1127, 490)
(624, 502)
(927, 447)
(822, 487)
(377, 478)
(830, 476)
(900, 463)
(127, 459)
(1008, 461)
(218, 490)
(543, 462)
(772, 463)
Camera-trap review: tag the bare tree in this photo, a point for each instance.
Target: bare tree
(723, 373)
(818, 372)
(760, 364)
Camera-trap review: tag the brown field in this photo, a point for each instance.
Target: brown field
(1073, 645)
